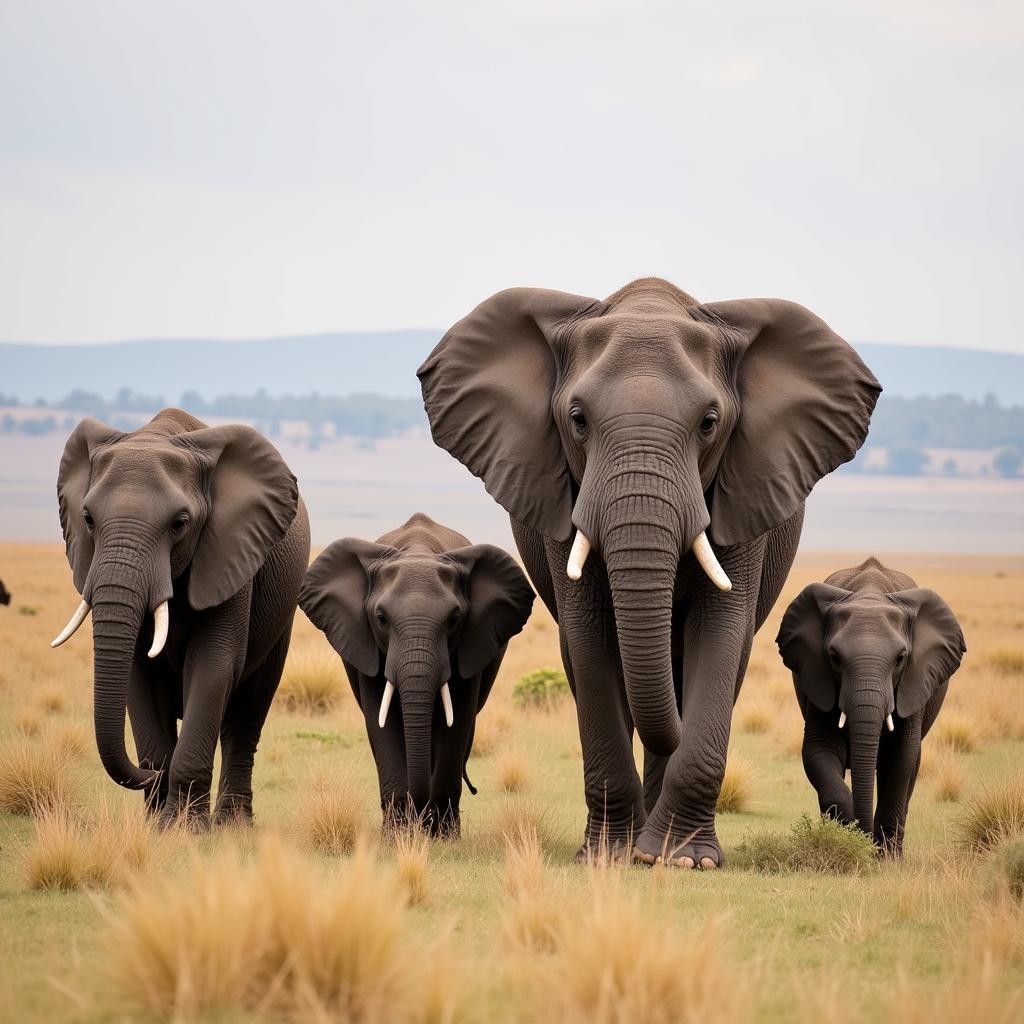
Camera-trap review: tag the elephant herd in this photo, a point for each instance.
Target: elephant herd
(654, 455)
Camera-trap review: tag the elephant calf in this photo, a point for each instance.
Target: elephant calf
(423, 612)
(202, 529)
(5, 594)
(864, 645)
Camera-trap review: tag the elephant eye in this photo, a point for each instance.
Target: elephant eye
(900, 658)
(707, 425)
(579, 421)
(180, 522)
(87, 516)
(382, 619)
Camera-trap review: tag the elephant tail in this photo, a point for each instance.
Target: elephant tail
(465, 776)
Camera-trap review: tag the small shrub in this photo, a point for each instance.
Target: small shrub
(956, 730)
(994, 814)
(813, 844)
(27, 609)
(34, 777)
(544, 688)
(311, 684)
(737, 787)
(947, 773)
(513, 773)
(333, 817)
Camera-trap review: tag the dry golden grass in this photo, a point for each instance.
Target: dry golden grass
(489, 732)
(516, 815)
(412, 856)
(513, 772)
(994, 813)
(948, 777)
(738, 786)
(27, 723)
(1006, 659)
(755, 716)
(956, 730)
(35, 776)
(52, 702)
(274, 937)
(312, 683)
(333, 816)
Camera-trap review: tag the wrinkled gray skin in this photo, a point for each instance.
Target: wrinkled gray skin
(642, 420)
(209, 519)
(867, 643)
(419, 607)
(5, 594)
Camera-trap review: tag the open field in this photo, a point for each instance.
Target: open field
(102, 920)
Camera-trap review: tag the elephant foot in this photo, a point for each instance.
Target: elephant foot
(234, 811)
(606, 845)
(699, 850)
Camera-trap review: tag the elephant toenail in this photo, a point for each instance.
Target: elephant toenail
(686, 862)
(707, 864)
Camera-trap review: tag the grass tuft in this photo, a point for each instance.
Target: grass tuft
(412, 854)
(947, 775)
(1005, 659)
(1008, 867)
(513, 773)
(34, 776)
(332, 816)
(755, 717)
(311, 684)
(995, 813)
(813, 844)
(958, 731)
(738, 785)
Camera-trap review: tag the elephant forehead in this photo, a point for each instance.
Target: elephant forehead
(867, 614)
(129, 462)
(659, 337)
(423, 574)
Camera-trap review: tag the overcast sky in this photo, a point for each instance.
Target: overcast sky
(254, 168)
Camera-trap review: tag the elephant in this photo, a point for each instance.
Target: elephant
(674, 443)
(863, 646)
(422, 612)
(5, 594)
(203, 529)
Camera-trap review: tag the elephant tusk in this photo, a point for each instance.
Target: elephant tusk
(577, 555)
(72, 627)
(161, 622)
(842, 719)
(703, 553)
(385, 702)
(446, 700)
(888, 722)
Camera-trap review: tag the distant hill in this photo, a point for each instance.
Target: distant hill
(385, 362)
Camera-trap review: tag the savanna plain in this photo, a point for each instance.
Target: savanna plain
(313, 915)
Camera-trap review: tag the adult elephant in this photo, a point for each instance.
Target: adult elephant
(863, 646)
(675, 443)
(5, 594)
(188, 544)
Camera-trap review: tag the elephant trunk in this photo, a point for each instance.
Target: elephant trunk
(417, 719)
(118, 596)
(865, 718)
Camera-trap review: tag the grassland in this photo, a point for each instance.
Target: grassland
(312, 917)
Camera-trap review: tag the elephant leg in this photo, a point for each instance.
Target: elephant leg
(681, 828)
(898, 762)
(240, 733)
(153, 700)
(824, 757)
(450, 748)
(387, 745)
(655, 764)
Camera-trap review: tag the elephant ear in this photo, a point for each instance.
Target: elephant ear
(253, 499)
(333, 596)
(500, 600)
(936, 647)
(487, 389)
(805, 402)
(73, 480)
(801, 643)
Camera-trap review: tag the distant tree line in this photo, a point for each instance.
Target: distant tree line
(904, 427)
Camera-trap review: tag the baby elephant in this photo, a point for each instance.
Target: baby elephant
(871, 655)
(423, 612)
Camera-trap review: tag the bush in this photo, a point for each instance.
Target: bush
(1007, 461)
(994, 814)
(813, 844)
(543, 688)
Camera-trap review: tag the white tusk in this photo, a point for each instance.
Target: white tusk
(72, 627)
(577, 556)
(888, 722)
(385, 702)
(161, 620)
(446, 700)
(842, 719)
(703, 553)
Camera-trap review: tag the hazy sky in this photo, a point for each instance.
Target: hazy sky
(255, 168)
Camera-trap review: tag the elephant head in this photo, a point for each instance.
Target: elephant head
(141, 509)
(417, 620)
(5, 594)
(644, 425)
(873, 654)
